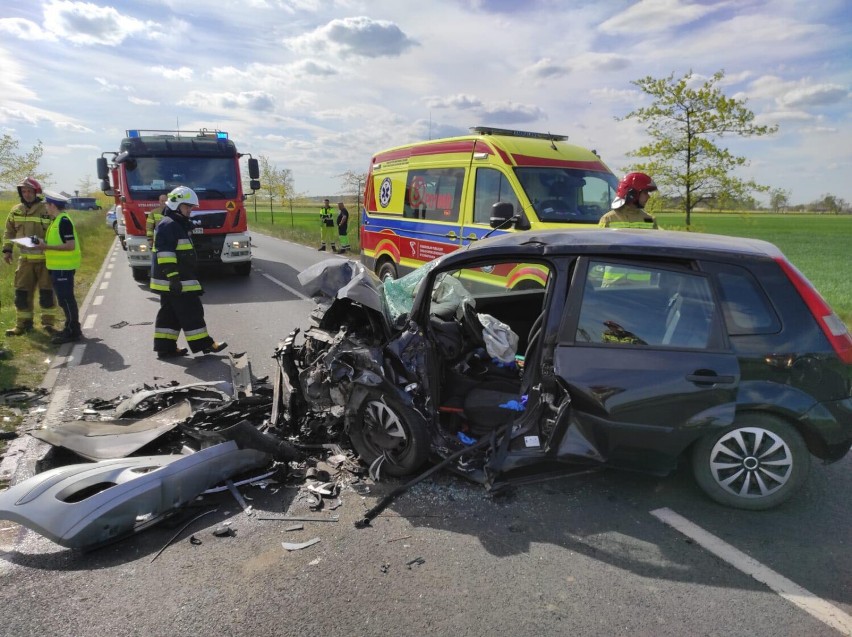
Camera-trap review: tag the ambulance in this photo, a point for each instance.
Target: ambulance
(426, 199)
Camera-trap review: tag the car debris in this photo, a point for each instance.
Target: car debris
(298, 546)
(192, 540)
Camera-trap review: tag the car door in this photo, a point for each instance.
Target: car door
(646, 362)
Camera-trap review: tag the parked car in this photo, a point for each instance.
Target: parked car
(119, 227)
(629, 349)
(110, 217)
(83, 203)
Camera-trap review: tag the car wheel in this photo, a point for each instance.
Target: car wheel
(385, 426)
(386, 269)
(140, 274)
(756, 464)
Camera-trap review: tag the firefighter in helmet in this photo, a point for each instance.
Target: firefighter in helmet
(27, 219)
(628, 207)
(174, 278)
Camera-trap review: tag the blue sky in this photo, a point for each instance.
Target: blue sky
(318, 86)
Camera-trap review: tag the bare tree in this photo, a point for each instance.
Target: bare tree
(85, 186)
(779, 199)
(354, 183)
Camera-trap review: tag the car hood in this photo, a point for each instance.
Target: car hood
(343, 279)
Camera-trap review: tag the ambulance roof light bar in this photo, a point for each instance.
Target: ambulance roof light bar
(488, 130)
(201, 133)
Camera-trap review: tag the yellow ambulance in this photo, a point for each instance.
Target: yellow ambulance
(426, 199)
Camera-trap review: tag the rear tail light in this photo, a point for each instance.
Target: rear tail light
(835, 330)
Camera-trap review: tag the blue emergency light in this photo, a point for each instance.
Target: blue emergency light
(221, 135)
(133, 133)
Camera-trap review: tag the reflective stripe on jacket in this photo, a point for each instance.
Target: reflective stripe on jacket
(174, 256)
(25, 222)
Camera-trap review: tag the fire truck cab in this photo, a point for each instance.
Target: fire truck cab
(150, 163)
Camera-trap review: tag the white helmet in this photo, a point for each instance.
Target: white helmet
(180, 195)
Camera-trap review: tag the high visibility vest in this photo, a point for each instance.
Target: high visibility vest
(61, 259)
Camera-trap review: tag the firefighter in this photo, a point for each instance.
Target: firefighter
(153, 218)
(327, 230)
(61, 248)
(174, 278)
(628, 207)
(29, 219)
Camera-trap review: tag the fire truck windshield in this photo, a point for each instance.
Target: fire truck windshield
(568, 195)
(209, 177)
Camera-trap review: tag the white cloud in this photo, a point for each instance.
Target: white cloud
(75, 128)
(546, 68)
(616, 95)
(88, 23)
(8, 115)
(656, 15)
(249, 100)
(141, 102)
(358, 36)
(182, 73)
(815, 95)
(24, 29)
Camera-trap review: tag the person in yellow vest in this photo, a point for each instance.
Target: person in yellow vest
(628, 207)
(61, 249)
(29, 219)
(327, 230)
(153, 218)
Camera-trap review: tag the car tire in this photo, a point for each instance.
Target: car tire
(140, 274)
(756, 464)
(386, 268)
(385, 426)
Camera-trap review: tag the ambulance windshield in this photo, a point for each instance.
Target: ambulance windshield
(568, 195)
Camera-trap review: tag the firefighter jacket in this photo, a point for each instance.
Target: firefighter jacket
(173, 255)
(151, 222)
(26, 221)
(627, 217)
(62, 259)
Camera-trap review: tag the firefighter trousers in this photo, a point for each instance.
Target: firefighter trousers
(180, 311)
(32, 277)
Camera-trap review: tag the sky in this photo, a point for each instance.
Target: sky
(319, 86)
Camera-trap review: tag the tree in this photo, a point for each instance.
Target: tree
(354, 183)
(779, 199)
(15, 166)
(86, 186)
(685, 125)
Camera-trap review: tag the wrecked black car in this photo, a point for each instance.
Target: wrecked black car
(533, 353)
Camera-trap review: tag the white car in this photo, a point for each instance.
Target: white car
(119, 228)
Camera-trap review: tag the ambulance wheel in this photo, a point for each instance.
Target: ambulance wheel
(242, 269)
(386, 269)
(140, 274)
(384, 426)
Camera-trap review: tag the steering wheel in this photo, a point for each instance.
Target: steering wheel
(472, 326)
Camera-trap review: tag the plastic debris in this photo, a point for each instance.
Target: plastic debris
(224, 531)
(295, 527)
(296, 546)
(417, 561)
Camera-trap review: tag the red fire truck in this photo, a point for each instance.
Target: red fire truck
(150, 163)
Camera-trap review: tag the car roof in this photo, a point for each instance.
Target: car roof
(616, 241)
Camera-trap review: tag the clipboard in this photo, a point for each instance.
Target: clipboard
(25, 242)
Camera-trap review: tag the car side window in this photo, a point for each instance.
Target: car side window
(646, 306)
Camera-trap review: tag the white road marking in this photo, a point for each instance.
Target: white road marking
(792, 592)
(104, 285)
(89, 323)
(107, 273)
(98, 300)
(286, 287)
(76, 355)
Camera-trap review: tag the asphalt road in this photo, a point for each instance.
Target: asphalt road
(574, 556)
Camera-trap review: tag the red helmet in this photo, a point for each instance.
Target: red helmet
(29, 182)
(633, 184)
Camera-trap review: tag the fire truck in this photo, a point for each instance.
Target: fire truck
(150, 163)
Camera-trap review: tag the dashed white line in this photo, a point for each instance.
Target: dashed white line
(89, 323)
(98, 300)
(107, 273)
(76, 355)
(792, 592)
(286, 287)
(104, 285)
